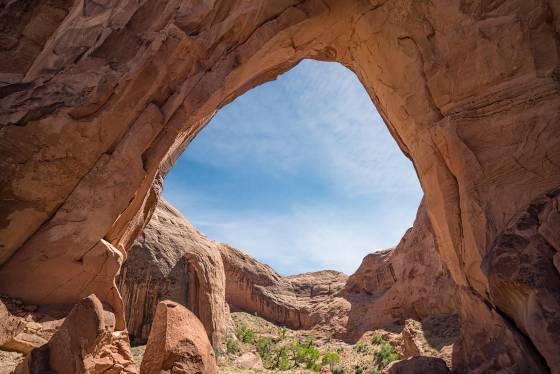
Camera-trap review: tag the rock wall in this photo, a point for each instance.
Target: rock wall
(408, 281)
(256, 288)
(99, 98)
(171, 260)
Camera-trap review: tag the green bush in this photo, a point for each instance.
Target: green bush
(284, 363)
(264, 347)
(307, 354)
(282, 333)
(385, 355)
(338, 371)
(232, 345)
(245, 334)
(362, 348)
(377, 339)
(330, 358)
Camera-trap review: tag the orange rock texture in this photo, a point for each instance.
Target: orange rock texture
(171, 260)
(99, 98)
(178, 343)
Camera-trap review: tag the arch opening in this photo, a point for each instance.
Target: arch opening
(300, 172)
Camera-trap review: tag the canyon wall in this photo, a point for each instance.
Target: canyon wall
(171, 260)
(97, 99)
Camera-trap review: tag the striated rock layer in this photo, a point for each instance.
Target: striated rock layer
(97, 99)
(171, 260)
(408, 281)
(256, 288)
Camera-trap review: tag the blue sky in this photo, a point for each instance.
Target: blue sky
(300, 172)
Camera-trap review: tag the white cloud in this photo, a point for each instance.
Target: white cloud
(317, 118)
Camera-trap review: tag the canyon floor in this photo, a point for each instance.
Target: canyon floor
(259, 346)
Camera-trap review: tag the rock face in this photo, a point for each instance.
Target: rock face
(256, 288)
(409, 281)
(97, 99)
(530, 245)
(417, 365)
(171, 260)
(178, 343)
(85, 343)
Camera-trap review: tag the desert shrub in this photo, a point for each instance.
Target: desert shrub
(361, 348)
(284, 363)
(264, 347)
(245, 334)
(282, 333)
(308, 354)
(337, 371)
(232, 345)
(385, 355)
(330, 358)
(358, 370)
(377, 339)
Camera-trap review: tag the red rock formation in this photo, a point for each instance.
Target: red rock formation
(520, 266)
(98, 99)
(256, 288)
(409, 281)
(417, 365)
(171, 260)
(85, 343)
(178, 343)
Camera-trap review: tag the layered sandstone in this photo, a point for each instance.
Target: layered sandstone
(171, 260)
(408, 281)
(97, 99)
(256, 288)
(178, 343)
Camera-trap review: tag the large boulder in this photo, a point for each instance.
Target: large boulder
(85, 343)
(417, 365)
(177, 343)
(171, 260)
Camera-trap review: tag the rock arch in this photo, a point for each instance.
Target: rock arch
(99, 98)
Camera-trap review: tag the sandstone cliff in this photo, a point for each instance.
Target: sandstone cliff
(256, 288)
(98, 98)
(171, 260)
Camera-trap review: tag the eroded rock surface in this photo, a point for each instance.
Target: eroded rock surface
(417, 365)
(97, 99)
(177, 343)
(86, 342)
(171, 260)
(408, 281)
(256, 288)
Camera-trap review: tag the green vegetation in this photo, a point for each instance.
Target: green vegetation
(361, 348)
(232, 345)
(377, 339)
(331, 358)
(245, 334)
(283, 350)
(385, 355)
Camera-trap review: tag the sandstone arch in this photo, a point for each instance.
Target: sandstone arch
(99, 98)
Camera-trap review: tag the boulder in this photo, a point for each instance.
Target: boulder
(86, 342)
(178, 343)
(417, 365)
(249, 360)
